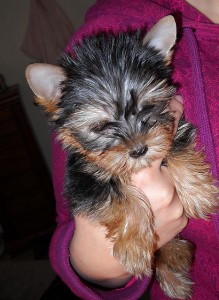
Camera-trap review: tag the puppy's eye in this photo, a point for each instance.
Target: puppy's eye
(148, 116)
(97, 127)
(149, 121)
(152, 120)
(102, 126)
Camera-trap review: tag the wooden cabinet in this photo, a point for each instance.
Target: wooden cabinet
(27, 204)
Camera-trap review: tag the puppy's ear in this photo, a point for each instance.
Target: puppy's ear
(162, 36)
(45, 81)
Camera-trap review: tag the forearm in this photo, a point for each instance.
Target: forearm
(91, 256)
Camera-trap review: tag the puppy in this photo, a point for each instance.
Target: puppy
(110, 105)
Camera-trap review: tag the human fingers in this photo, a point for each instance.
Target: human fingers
(155, 182)
(169, 217)
(177, 108)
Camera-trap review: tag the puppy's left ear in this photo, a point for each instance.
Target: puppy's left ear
(162, 36)
(45, 81)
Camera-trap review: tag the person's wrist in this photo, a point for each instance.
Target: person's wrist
(91, 255)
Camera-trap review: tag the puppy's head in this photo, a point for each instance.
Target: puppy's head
(110, 102)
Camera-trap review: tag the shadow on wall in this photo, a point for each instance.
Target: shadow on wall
(14, 17)
(48, 31)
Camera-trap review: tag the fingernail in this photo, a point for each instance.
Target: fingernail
(179, 98)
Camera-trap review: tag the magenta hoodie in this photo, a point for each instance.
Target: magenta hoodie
(196, 66)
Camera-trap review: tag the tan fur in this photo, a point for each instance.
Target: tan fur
(68, 140)
(172, 264)
(194, 183)
(134, 243)
(50, 107)
(117, 160)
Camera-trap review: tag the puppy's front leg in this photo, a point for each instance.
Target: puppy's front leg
(129, 224)
(194, 183)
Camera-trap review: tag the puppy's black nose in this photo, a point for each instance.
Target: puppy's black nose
(138, 150)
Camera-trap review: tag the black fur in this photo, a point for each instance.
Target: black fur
(101, 66)
(87, 192)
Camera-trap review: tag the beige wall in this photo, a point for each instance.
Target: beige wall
(13, 22)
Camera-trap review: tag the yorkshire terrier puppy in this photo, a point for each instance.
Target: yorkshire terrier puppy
(109, 103)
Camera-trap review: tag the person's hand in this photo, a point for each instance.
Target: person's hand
(176, 106)
(91, 255)
(90, 251)
(156, 184)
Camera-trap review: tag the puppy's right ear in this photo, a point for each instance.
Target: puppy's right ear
(45, 81)
(162, 36)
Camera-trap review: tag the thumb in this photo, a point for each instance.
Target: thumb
(176, 107)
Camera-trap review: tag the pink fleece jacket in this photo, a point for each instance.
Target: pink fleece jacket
(196, 66)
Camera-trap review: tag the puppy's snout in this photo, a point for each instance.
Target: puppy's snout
(138, 151)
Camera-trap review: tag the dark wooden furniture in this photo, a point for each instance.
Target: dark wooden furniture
(27, 205)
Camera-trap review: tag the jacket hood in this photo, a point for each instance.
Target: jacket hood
(120, 15)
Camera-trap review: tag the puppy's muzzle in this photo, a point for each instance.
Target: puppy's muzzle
(138, 151)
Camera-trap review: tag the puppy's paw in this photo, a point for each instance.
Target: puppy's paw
(173, 262)
(136, 255)
(175, 285)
